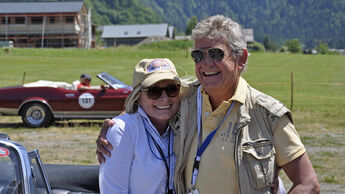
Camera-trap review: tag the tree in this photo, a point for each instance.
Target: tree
(294, 46)
(322, 48)
(269, 46)
(256, 47)
(191, 25)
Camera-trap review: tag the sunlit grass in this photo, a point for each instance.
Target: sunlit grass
(318, 106)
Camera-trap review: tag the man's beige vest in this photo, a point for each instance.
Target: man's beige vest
(254, 152)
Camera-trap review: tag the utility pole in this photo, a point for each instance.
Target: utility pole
(43, 30)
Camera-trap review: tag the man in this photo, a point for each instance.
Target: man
(85, 81)
(85, 84)
(233, 138)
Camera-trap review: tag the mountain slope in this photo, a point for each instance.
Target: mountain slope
(310, 21)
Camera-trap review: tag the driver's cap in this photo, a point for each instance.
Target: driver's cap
(85, 75)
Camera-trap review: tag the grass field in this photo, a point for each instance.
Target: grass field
(318, 107)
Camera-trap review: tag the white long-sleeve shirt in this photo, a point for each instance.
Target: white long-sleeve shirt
(132, 167)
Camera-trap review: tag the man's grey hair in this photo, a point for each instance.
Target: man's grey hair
(218, 26)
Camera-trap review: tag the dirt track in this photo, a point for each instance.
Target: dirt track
(74, 143)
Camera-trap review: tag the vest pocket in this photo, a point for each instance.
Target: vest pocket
(259, 157)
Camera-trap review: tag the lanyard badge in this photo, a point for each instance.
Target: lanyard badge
(194, 191)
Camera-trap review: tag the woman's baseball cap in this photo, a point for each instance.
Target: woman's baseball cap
(150, 71)
(146, 73)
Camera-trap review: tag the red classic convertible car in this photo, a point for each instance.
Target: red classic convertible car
(39, 103)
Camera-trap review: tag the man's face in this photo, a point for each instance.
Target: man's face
(85, 81)
(216, 77)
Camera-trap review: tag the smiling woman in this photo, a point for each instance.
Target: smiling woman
(160, 102)
(143, 138)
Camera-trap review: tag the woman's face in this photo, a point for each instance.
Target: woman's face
(160, 110)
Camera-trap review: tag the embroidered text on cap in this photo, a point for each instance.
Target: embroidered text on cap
(158, 65)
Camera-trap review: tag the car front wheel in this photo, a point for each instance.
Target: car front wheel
(36, 115)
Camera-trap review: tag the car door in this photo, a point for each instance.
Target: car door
(95, 103)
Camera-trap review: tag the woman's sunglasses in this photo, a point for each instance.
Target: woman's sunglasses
(154, 92)
(216, 54)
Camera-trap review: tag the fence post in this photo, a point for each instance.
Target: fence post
(23, 77)
(292, 88)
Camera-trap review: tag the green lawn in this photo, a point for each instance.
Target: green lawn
(319, 90)
(319, 79)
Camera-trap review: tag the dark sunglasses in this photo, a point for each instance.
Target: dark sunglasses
(216, 54)
(154, 92)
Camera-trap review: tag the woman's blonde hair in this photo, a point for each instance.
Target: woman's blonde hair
(131, 104)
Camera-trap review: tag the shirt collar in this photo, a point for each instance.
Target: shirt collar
(240, 92)
(143, 114)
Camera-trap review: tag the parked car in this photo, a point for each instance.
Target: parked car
(23, 172)
(40, 103)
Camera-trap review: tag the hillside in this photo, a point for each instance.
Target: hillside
(121, 12)
(311, 21)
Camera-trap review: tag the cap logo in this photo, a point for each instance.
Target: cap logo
(156, 65)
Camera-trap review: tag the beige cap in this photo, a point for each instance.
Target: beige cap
(149, 71)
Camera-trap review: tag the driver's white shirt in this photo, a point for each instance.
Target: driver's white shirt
(132, 167)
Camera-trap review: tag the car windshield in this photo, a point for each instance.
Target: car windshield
(10, 175)
(115, 83)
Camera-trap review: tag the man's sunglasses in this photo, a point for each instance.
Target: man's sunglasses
(216, 54)
(154, 92)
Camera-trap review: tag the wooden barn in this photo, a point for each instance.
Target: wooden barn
(46, 24)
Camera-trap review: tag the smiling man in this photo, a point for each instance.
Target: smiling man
(241, 136)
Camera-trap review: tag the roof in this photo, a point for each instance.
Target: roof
(40, 7)
(249, 34)
(135, 31)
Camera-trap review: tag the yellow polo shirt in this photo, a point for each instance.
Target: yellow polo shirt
(217, 173)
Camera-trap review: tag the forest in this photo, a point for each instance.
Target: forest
(310, 21)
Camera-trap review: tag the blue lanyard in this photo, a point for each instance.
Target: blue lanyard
(208, 139)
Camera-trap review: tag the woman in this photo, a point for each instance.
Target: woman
(142, 159)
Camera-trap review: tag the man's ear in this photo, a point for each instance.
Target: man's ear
(242, 60)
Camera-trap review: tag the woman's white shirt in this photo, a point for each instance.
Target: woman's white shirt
(132, 167)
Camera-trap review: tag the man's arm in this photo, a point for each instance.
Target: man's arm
(103, 145)
(114, 175)
(83, 88)
(301, 172)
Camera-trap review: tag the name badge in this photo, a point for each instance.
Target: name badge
(194, 191)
